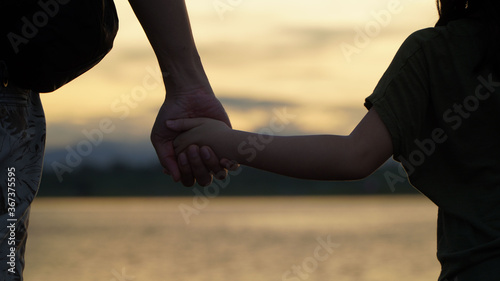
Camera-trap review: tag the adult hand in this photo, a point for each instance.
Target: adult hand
(194, 164)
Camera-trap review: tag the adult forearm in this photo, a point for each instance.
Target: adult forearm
(166, 24)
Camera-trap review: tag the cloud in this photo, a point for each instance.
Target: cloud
(103, 155)
(253, 104)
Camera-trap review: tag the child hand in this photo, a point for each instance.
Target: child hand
(199, 131)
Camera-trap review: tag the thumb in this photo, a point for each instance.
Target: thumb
(185, 124)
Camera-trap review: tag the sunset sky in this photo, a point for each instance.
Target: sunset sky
(317, 58)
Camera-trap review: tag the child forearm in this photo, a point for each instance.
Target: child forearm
(320, 157)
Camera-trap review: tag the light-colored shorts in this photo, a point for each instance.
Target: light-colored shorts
(22, 144)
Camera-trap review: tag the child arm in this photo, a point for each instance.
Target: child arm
(320, 157)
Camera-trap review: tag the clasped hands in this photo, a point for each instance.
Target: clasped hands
(193, 164)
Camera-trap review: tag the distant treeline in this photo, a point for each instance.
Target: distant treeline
(121, 180)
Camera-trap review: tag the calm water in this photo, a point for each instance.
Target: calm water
(234, 239)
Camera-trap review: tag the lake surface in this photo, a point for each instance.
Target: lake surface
(378, 238)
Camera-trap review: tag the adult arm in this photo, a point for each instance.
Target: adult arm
(188, 91)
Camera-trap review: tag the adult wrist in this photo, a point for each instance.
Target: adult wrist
(193, 90)
(183, 72)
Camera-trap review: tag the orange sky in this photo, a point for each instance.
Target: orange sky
(306, 55)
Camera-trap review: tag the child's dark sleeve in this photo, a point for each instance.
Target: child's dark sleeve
(401, 97)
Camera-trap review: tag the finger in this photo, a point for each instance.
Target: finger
(184, 124)
(166, 155)
(180, 145)
(229, 164)
(200, 172)
(185, 170)
(212, 163)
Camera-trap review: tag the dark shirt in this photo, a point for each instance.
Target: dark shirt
(47, 43)
(443, 115)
